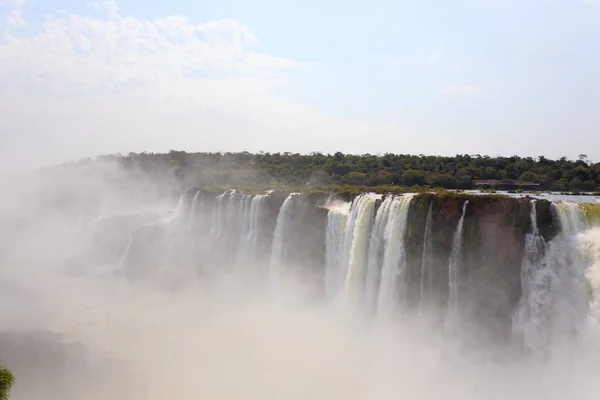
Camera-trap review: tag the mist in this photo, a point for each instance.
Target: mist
(77, 324)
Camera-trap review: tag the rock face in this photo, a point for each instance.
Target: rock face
(489, 260)
(214, 228)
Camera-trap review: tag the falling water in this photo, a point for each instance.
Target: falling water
(377, 246)
(356, 241)
(181, 211)
(453, 319)
(215, 229)
(393, 272)
(194, 210)
(251, 218)
(244, 216)
(570, 296)
(426, 262)
(337, 218)
(554, 299)
(231, 214)
(278, 253)
(222, 212)
(125, 256)
(536, 278)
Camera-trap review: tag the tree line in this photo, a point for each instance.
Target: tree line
(318, 169)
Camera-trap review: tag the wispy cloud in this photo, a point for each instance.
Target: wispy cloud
(591, 2)
(457, 89)
(82, 51)
(13, 3)
(104, 82)
(109, 7)
(436, 55)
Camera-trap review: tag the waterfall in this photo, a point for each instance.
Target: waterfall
(181, 211)
(393, 271)
(569, 286)
(125, 256)
(282, 226)
(194, 209)
(590, 245)
(530, 322)
(337, 218)
(231, 214)
(243, 221)
(425, 261)
(356, 241)
(453, 319)
(251, 219)
(222, 213)
(376, 250)
(554, 301)
(215, 229)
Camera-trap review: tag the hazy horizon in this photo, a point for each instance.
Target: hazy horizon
(81, 79)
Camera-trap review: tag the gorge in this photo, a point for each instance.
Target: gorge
(508, 270)
(296, 295)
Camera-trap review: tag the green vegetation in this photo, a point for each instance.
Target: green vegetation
(385, 172)
(6, 382)
(592, 213)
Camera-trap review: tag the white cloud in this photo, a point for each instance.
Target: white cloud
(456, 89)
(84, 85)
(436, 55)
(109, 7)
(15, 20)
(12, 3)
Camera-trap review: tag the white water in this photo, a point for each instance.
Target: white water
(181, 212)
(282, 227)
(554, 302)
(252, 209)
(125, 256)
(217, 216)
(337, 218)
(530, 321)
(393, 271)
(453, 317)
(356, 241)
(223, 214)
(570, 301)
(194, 209)
(377, 247)
(426, 259)
(207, 340)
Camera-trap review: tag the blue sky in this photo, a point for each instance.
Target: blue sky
(497, 77)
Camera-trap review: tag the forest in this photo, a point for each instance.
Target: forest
(244, 169)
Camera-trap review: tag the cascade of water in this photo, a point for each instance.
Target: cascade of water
(530, 317)
(231, 213)
(554, 301)
(244, 216)
(425, 260)
(356, 241)
(181, 211)
(125, 256)
(570, 296)
(453, 311)
(278, 250)
(222, 211)
(337, 218)
(252, 209)
(393, 271)
(193, 211)
(215, 229)
(376, 250)
(590, 246)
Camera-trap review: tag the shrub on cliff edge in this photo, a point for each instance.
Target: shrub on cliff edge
(6, 382)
